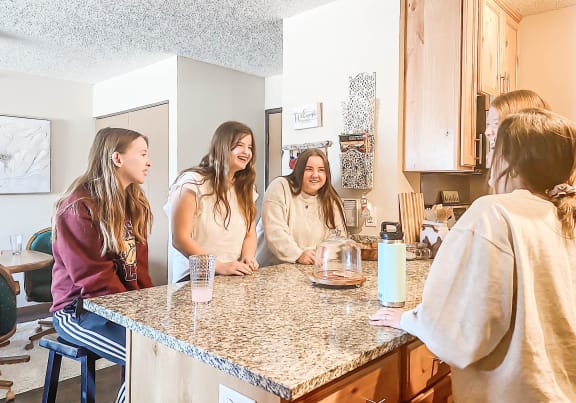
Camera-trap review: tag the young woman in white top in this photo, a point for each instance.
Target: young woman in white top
(298, 212)
(498, 304)
(211, 206)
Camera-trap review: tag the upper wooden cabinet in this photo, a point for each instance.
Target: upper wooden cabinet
(497, 53)
(440, 78)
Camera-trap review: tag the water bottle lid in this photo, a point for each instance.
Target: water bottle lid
(391, 235)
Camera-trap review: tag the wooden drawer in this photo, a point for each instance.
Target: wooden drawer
(422, 370)
(441, 392)
(373, 382)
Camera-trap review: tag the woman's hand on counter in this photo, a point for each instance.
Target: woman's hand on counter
(387, 317)
(251, 262)
(307, 257)
(233, 268)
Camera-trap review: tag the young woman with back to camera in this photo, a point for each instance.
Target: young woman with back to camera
(212, 207)
(298, 212)
(100, 241)
(498, 304)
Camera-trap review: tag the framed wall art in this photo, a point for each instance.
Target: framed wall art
(24, 155)
(307, 116)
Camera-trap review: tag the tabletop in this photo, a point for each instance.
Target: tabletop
(27, 260)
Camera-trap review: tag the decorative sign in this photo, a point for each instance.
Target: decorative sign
(307, 116)
(24, 155)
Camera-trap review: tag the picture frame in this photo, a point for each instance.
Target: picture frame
(307, 116)
(25, 158)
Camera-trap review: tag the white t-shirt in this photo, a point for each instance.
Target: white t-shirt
(208, 229)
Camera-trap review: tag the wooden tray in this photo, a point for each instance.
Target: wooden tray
(338, 279)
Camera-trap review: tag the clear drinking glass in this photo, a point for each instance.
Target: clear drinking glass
(202, 270)
(16, 243)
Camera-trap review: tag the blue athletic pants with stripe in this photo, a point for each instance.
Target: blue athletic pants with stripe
(99, 335)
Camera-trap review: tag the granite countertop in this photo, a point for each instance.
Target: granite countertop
(272, 329)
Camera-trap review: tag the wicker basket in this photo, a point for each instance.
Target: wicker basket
(369, 251)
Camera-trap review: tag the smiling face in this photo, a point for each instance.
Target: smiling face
(132, 165)
(314, 177)
(241, 154)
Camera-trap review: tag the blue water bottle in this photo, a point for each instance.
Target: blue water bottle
(391, 265)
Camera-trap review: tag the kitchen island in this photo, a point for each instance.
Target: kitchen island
(271, 336)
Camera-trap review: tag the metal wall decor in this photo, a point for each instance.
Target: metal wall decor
(357, 139)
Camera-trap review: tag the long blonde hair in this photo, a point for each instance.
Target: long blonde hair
(327, 194)
(215, 167)
(514, 101)
(539, 147)
(113, 204)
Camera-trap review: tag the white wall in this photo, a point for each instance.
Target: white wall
(322, 48)
(547, 58)
(68, 105)
(273, 92)
(209, 95)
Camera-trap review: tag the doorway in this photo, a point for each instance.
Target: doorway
(273, 129)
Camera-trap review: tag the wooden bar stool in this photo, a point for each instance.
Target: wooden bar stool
(59, 348)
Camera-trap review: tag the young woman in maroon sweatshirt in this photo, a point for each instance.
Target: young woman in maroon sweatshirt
(100, 241)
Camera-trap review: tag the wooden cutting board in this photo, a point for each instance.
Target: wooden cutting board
(411, 215)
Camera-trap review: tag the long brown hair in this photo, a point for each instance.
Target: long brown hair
(539, 146)
(215, 167)
(113, 204)
(327, 194)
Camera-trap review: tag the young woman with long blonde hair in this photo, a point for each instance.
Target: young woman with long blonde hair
(212, 206)
(100, 247)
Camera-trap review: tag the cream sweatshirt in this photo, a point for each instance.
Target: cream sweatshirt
(499, 304)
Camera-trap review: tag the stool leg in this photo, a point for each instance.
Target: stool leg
(88, 380)
(52, 377)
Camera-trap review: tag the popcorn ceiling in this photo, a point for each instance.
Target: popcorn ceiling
(93, 40)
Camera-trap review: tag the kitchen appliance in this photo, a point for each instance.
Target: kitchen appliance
(337, 262)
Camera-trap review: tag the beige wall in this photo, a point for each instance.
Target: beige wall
(547, 58)
(322, 47)
(68, 105)
(209, 95)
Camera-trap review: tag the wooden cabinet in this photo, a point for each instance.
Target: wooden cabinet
(378, 381)
(497, 52)
(422, 371)
(440, 52)
(439, 393)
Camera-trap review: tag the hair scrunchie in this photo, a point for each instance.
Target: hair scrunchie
(561, 190)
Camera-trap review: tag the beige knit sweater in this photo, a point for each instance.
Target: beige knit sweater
(289, 224)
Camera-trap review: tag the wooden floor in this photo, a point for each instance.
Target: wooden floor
(107, 385)
(107, 379)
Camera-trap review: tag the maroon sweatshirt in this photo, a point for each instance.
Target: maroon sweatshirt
(79, 270)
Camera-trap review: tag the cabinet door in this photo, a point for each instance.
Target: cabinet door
(489, 57)
(439, 393)
(422, 369)
(433, 61)
(377, 382)
(509, 54)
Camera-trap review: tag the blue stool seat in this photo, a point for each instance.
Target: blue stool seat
(59, 348)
